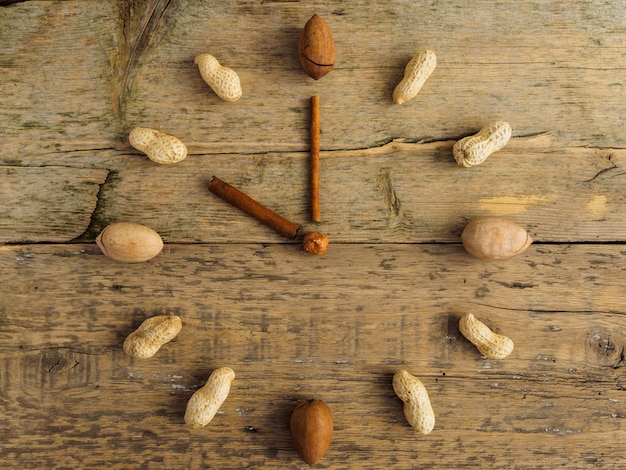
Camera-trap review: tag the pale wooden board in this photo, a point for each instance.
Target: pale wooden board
(47, 203)
(294, 326)
(79, 75)
(398, 192)
(401, 192)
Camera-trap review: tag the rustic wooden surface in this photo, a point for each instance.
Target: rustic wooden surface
(76, 76)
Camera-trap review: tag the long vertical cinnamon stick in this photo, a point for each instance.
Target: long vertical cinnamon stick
(315, 159)
(241, 201)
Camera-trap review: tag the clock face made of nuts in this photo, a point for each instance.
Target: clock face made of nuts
(316, 55)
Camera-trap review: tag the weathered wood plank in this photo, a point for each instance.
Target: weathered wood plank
(399, 192)
(544, 66)
(47, 203)
(55, 85)
(396, 282)
(497, 422)
(395, 193)
(295, 326)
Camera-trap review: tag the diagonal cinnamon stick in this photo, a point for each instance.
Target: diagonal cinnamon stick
(315, 159)
(245, 203)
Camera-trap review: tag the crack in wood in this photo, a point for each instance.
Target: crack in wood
(620, 362)
(58, 360)
(61, 366)
(131, 53)
(95, 225)
(517, 285)
(608, 157)
(392, 201)
(6, 3)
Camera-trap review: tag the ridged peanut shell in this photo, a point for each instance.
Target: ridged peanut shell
(224, 81)
(316, 48)
(489, 343)
(417, 408)
(311, 425)
(475, 149)
(207, 400)
(416, 72)
(153, 333)
(158, 146)
(129, 242)
(494, 238)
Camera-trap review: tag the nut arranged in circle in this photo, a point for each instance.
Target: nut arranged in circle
(207, 400)
(129, 242)
(316, 48)
(417, 408)
(158, 146)
(416, 72)
(474, 149)
(153, 333)
(223, 81)
(494, 238)
(490, 344)
(311, 426)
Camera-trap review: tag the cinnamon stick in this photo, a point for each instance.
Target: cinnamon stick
(248, 205)
(315, 159)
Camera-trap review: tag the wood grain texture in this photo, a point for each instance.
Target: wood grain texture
(400, 192)
(76, 76)
(295, 326)
(542, 66)
(47, 203)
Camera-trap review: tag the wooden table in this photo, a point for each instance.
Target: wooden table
(76, 76)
